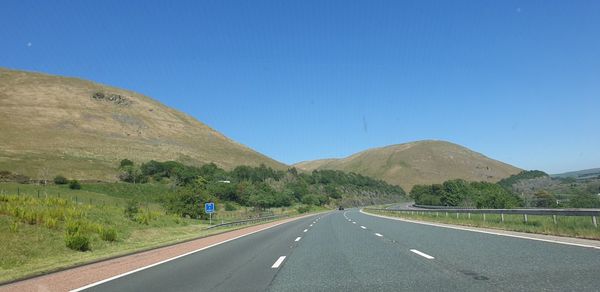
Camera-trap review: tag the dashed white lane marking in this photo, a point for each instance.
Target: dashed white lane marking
(278, 262)
(297, 238)
(363, 227)
(310, 225)
(422, 254)
(378, 234)
(353, 222)
(305, 230)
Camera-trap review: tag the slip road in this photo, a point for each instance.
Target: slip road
(348, 250)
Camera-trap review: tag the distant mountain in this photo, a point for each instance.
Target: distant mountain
(421, 162)
(57, 125)
(580, 174)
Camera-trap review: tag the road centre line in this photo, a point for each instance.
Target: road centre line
(297, 239)
(363, 227)
(422, 254)
(353, 222)
(378, 234)
(305, 230)
(278, 262)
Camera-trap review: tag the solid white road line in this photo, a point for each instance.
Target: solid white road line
(170, 259)
(305, 230)
(422, 254)
(278, 262)
(363, 227)
(378, 234)
(297, 238)
(483, 231)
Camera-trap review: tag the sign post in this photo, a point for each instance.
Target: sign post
(209, 208)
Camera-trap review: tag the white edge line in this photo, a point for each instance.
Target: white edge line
(378, 234)
(278, 262)
(297, 238)
(171, 259)
(482, 231)
(422, 254)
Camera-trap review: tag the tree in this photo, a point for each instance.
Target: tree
(74, 185)
(60, 180)
(125, 162)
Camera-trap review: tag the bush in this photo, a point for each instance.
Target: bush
(230, 207)
(303, 209)
(108, 234)
(126, 162)
(132, 209)
(77, 241)
(74, 185)
(60, 180)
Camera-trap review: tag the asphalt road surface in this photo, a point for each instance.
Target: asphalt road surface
(351, 251)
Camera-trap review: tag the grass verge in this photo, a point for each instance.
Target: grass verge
(570, 226)
(46, 234)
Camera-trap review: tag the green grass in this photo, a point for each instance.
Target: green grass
(34, 230)
(571, 226)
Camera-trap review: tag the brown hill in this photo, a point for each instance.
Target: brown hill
(422, 162)
(82, 129)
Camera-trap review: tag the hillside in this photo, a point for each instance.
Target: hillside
(81, 129)
(422, 162)
(580, 174)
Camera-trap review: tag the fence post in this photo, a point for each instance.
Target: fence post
(469, 215)
(525, 217)
(436, 214)
(595, 222)
(457, 215)
(554, 218)
(502, 216)
(446, 214)
(483, 217)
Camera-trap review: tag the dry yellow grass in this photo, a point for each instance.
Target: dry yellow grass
(53, 125)
(421, 162)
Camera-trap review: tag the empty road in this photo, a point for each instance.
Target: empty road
(348, 250)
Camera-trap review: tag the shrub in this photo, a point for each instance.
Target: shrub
(60, 180)
(132, 209)
(108, 234)
(74, 185)
(126, 162)
(77, 241)
(230, 207)
(303, 209)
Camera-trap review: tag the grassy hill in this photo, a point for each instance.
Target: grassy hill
(421, 162)
(580, 174)
(81, 129)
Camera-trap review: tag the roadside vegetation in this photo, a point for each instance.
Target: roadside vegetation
(529, 189)
(581, 227)
(60, 222)
(49, 227)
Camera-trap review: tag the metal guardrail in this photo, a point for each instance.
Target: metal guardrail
(247, 221)
(594, 213)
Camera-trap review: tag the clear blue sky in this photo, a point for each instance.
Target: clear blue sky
(518, 81)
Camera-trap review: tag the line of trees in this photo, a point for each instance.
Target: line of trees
(261, 187)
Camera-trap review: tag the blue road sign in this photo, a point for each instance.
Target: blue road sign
(209, 207)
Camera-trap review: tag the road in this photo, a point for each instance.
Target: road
(351, 251)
